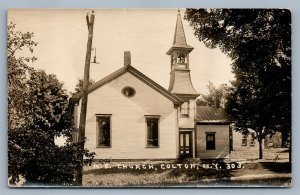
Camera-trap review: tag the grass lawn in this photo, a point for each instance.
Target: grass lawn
(251, 153)
(273, 174)
(160, 175)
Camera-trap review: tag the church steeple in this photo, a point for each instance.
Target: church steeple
(180, 81)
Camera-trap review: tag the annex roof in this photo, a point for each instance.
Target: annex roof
(209, 114)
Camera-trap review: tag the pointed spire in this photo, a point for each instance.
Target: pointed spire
(179, 36)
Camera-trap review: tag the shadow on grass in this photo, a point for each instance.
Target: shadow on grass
(264, 182)
(277, 167)
(284, 151)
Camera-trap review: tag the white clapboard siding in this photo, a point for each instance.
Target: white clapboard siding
(128, 124)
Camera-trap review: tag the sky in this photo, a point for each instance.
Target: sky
(147, 33)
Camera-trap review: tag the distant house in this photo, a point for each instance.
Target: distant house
(130, 116)
(244, 140)
(274, 140)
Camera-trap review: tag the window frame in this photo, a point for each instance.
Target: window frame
(252, 139)
(188, 109)
(180, 56)
(244, 140)
(157, 118)
(213, 134)
(98, 116)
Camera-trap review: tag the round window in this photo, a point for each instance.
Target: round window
(128, 91)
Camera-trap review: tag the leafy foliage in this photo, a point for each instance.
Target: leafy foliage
(37, 114)
(16, 76)
(79, 85)
(259, 43)
(216, 97)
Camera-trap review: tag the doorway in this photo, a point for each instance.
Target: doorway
(185, 144)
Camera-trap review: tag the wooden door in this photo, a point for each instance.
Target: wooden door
(185, 144)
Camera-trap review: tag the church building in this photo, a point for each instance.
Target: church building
(130, 116)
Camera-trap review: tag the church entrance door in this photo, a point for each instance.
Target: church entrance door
(185, 144)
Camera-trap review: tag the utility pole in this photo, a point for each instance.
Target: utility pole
(84, 98)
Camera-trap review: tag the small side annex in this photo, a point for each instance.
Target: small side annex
(212, 133)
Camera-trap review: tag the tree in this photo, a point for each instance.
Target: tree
(259, 43)
(17, 70)
(37, 114)
(216, 96)
(79, 85)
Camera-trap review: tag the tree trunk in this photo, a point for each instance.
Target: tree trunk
(290, 149)
(260, 148)
(79, 167)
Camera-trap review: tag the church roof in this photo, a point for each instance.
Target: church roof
(179, 36)
(175, 99)
(211, 115)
